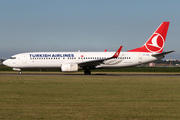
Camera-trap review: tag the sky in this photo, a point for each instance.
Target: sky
(86, 25)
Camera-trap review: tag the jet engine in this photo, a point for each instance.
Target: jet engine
(69, 67)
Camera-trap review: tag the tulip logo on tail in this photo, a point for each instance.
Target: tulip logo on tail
(155, 43)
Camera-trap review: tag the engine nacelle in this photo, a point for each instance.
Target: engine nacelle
(69, 67)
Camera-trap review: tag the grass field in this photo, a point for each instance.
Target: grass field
(89, 97)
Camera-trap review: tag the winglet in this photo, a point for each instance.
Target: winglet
(117, 52)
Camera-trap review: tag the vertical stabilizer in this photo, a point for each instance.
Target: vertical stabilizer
(156, 42)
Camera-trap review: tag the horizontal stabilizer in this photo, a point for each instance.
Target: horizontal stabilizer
(163, 53)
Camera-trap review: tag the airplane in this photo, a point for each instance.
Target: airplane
(152, 50)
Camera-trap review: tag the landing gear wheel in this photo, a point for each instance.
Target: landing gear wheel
(87, 72)
(20, 72)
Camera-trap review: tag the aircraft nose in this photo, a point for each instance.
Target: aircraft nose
(5, 62)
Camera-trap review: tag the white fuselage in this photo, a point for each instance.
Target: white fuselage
(57, 59)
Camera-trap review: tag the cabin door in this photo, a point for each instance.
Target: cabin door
(140, 58)
(23, 58)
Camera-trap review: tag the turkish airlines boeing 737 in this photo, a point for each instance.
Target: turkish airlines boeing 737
(73, 61)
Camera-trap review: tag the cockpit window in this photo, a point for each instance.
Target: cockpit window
(12, 57)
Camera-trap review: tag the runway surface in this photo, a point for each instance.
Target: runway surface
(120, 75)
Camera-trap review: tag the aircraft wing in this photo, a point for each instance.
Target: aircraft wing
(100, 61)
(163, 53)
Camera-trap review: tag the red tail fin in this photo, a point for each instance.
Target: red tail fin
(156, 41)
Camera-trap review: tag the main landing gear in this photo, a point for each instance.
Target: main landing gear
(20, 72)
(87, 72)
